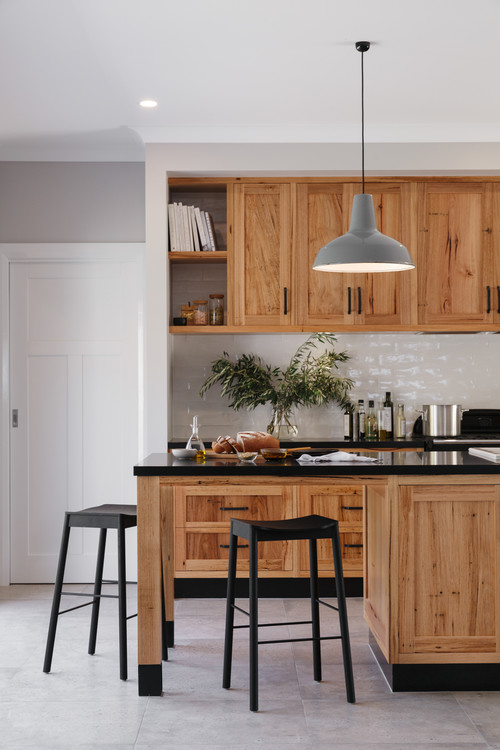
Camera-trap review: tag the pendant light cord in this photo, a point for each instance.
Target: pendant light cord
(362, 122)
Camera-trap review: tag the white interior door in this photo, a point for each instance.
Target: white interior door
(75, 387)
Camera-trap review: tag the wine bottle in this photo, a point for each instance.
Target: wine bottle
(387, 421)
(371, 424)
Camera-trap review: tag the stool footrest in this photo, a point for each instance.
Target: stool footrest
(275, 624)
(296, 640)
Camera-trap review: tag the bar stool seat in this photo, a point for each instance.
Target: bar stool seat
(103, 517)
(312, 527)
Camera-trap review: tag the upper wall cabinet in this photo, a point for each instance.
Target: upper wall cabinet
(455, 273)
(375, 301)
(261, 293)
(494, 279)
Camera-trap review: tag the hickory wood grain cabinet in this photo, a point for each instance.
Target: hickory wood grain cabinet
(262, 256)
(380, 300)
(456, 277)
(202, 519)
(432, 561)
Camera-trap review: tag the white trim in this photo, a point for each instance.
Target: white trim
(49, 252)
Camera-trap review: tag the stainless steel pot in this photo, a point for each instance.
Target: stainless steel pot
(442, 420)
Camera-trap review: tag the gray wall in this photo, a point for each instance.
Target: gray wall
(72, 202)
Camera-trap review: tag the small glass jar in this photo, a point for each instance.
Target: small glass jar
(200, 312)
(187, 311)
(216, 310)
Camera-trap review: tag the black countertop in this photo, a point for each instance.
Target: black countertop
(388, 462)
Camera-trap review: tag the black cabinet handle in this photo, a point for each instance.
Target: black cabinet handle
(498, 298)
(285, 300)
(488, 297)
(243, 507)
(353, 545)
(351, 507)
(240, 546)
(359, 300)
(349, 300)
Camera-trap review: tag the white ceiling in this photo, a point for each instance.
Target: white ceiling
(242, 71)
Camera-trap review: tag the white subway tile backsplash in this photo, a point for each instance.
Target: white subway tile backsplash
(435, 368)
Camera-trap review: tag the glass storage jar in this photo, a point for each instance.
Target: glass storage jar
(200, 312)
(216, 310)
(187, 311)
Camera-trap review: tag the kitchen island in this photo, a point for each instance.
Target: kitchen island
(431, 558)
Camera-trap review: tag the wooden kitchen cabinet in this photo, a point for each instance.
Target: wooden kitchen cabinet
(431, 569)
(494, 279)
(344, 503)
(261, 291)
(375, 301)
(455, 269)
(202, 522)
(435, 582)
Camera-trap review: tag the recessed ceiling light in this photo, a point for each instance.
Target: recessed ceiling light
(148, 103)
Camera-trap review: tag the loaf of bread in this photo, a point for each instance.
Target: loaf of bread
(226, 444)
(253, 440)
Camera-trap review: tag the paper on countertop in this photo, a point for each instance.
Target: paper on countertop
(334, 457)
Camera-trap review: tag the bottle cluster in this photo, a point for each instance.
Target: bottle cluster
(379, 421)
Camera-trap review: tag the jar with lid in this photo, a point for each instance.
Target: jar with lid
(216, 310)
(200, 312)
(187, 311)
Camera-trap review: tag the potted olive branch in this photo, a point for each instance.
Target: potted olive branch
(308, 380)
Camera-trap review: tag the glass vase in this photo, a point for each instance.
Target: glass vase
(281, 425)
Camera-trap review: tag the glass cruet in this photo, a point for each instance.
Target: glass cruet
(195, 441)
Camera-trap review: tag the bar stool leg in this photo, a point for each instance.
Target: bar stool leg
(122, 600)
(316, 644)
(344, 626)
(56, 600)
(96, 604)
(254, 620)
(228, 638)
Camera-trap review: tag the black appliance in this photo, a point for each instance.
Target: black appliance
(478, 427)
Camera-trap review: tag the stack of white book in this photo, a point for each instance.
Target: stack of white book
(190, 228)
(492, 454)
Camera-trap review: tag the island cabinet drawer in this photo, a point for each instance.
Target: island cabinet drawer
(345, 503)
(202, 521)
(208, 551)
(218, 504)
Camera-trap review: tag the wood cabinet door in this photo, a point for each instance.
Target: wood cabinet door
(448, 582)
(320, 218)
(454, 261)
(345, 504)
(387, 299)
(202, 522)
(261, 293)
(493, 281)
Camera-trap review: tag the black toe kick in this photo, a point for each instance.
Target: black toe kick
(436, 677)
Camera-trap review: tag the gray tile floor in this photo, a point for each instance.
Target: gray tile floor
(83, 704)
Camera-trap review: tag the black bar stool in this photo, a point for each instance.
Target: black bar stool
(102, 517)
(307, 527)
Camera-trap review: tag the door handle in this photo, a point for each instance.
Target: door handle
(285, 300)
(15, 417)
(349, 300)
(359, 300)
(488, 298)
(498, 299)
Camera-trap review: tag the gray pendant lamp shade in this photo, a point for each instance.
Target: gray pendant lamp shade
(363, 249)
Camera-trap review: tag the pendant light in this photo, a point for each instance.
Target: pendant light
(363, 249)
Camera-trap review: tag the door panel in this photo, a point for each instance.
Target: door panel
(74, 381)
